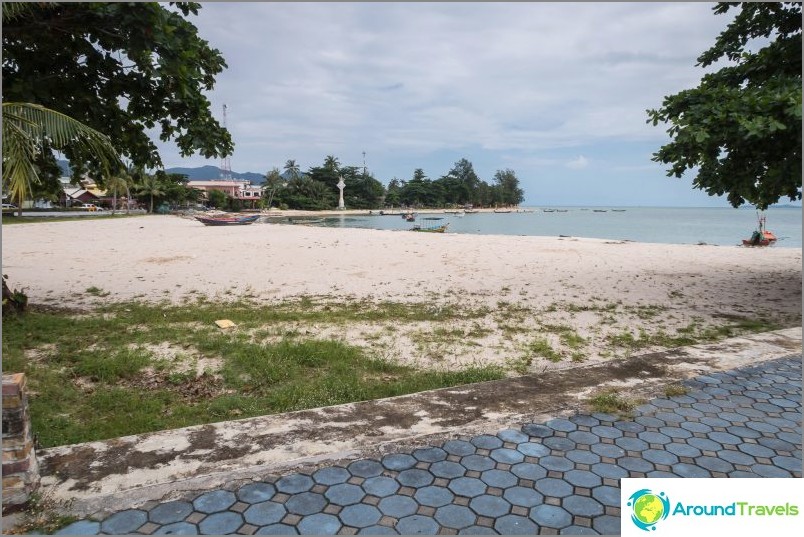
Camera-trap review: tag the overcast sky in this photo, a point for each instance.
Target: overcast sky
(555, 91)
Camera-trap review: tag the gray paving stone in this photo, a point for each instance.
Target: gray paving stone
(582, 506)
(683, 469)
(381, 486)
(277, 529)
(124, 522)
(82, 527)
(714, 421)
(649, 421)
(777, 444)
(696, 427)
(629, 426)
(635, 464)
(365, 468)
(319, 524)
(756, 450)
(577, 530)
(682, 449)
(583, 437)
(676, 433)
(763, 427)
(295, 483)
(177, 528)
(724, 438)
(305, 503)
(377, 530)
(528, 470)
(398, 506)
(415, 478)
(584, 420)
(453, 516)
(360, 515)
(523, 496)
(605, 417)
(654, 438)
(515, 525)
(671, 418)
(607, 495)
(477, 530)
(606, 525)
(631, 444)
(459, 447)
(659, 457)
(608, 450)
(490, 506)
(533, 449)
(704, 444)
(220, 523)
(265, 513)
(551, 516)
(582, 478)
(433, 496)
(765, 470)
(737, 457)
(558, 464)
(345, 494)
(550, 486)
(417, 525)
(468, 486)
(559, 444)
(498, 478)
(512, 435)
(478, 463)
(582, 456)
(788, 463)
(256, 492)
(167, 513)
(536, 430)
(332, 475)
(447, 469)
(661, 474)
(507, 456)
(561, 424)
(431, 454)
(487, 441)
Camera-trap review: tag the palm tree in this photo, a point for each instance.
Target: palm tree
(331, 163)
(292, 168)
(152, 186)
(116, 183)
(272, 181)
(133, 176)
(27, 128)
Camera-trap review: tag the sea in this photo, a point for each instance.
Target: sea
(669, 225)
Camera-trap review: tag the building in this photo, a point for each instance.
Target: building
(236, 188)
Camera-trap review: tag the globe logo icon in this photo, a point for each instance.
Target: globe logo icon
(648, 508)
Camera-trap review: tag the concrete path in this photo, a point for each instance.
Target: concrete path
(559, 476)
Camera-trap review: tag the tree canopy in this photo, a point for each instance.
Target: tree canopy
(741, 127)
(120, 68)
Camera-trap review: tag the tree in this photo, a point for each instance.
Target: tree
(119, 68)
(216, 198)
(116, 183)
(151, 186)
(506, 186)
(292, 169)
(30, 129)
(741, 127)
(273, 180)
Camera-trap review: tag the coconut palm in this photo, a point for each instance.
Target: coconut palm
(292, 168)
(151, 186)
(331, 163)
(27, 128)
(116, 183)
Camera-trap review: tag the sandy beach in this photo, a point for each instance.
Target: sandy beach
(593, 287)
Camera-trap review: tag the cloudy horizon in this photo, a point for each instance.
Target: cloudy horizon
(555, 91)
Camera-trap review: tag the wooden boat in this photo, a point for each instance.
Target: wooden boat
(599, 210)
(228, 220)
(502, 210)
(761, 236)
(433, 228)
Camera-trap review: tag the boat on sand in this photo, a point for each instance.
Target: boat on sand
(228, 220)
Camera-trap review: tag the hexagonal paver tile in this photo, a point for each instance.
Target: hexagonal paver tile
(584, 420)
(345, 494)
(212, 502)
(295, 483)
(696, 427)
(609, 471)
(82, 527)
(631, 444)
(459, 447)
(629, 426)
(583, 438)
(649, 421)
(398, 506)
(533, 449)
(498, 478)
(123, 522)
(262, 514)
(477, 530)
(382, 486)
(528, 470)
(507, 456)
(557, 488)
(704, 444)
(377, 530)
(417, 525)
(277, 529)
(360, 515)
(659, 457)
(682, 449)
(559, 444)
(551, 516)
(365, 468)
(577, 530)
(432, 454)
(714, 464)
(724, 438)
(487, 441)
(305, 503)
(738, 457)
(434, 496)
(582, 456)
(167, 513)
(319, 524)
(561, 424)
(778, 444)
(523, 496)
(608, 450)
(256, 492)
(467, 486)
(652, 437)
(415, 478)
(558, 464)
(766, 470)
(452, 516)
(398, 462)
(331, 476)
(177, 528)
(582, 506)
(477, 463)
(792, 464)
(606, 432)
(515, 525)
(606, 525)
(635, 464)
(690, 470)
(447, 469)
(220, 523)
(513, 436)
(607, 495)
(490, 506)
(536, 430)
(583, 478)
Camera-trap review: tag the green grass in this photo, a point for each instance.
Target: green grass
(611, 402)
(542, 348)
(674, 390)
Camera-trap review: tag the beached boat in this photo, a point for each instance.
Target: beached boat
(431, 226)
(502, 210)
(228, 220)
(760, 236)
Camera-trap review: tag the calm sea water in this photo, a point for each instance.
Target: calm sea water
(717, 226)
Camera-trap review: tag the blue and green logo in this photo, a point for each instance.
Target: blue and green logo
(648, 508)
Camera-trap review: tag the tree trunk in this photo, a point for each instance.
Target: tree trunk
(13, 302)
(114, 201)
(152, 204)
(128, 199)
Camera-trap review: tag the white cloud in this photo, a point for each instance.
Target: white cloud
(578, 163)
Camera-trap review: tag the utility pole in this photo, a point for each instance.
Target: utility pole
(364, 164)
(226, 164)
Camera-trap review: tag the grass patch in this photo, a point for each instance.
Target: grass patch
(675, 390)
(612, 402)
(542, 348)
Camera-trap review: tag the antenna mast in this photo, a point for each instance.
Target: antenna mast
(226, 164)
(364, 163)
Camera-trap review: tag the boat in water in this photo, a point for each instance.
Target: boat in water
(761, 236)
(228, 220)
(433, 227)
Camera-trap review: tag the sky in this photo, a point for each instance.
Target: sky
(557, 92)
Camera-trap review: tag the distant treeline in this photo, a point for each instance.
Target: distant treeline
(317, 188)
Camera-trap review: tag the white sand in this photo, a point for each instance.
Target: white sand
(158, 257)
